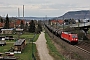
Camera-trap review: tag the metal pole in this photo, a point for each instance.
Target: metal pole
(33, 57)
(32, 49)
(63, 24)
(56, 22)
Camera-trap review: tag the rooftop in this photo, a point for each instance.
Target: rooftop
(19, 42)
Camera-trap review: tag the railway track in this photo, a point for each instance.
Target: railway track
(82, 49)
(85, 47)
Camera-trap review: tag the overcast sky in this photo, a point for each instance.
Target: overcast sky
(41, 8)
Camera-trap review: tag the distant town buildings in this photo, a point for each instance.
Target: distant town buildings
(13, 24)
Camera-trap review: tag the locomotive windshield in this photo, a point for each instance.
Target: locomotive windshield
(74, 36)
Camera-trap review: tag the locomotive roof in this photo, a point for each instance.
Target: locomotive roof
(69, 33)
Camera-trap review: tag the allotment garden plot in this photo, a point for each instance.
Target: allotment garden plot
(26, 50)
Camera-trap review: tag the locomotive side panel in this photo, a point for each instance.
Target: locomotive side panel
(65, 36)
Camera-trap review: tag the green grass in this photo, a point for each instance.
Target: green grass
(36, 37)
(6, 47)
(89, 31)
(23, 36)
(53, 50)
(28, 37)
(20, 35)
(11, 41)
(27, 52)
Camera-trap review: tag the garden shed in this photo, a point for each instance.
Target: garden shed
(19, 45)
(6, 31)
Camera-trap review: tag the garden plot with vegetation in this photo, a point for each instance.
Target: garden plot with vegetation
(27, 51)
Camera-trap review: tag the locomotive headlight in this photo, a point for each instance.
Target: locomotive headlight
(76, 39)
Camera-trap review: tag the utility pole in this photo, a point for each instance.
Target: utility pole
(46, 19)
(56, 23)
(63, 23)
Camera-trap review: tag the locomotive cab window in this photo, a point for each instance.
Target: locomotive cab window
(74, 36)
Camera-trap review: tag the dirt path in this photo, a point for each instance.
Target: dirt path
(42, 48)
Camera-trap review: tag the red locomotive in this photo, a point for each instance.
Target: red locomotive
(70, 37)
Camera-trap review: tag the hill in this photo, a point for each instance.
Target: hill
(76, 15)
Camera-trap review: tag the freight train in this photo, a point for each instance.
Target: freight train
(72, 38)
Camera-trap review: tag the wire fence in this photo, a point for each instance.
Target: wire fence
(33, 56)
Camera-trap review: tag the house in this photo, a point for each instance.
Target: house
(11, 24)
(19, 31)
(1, 25)
(6, 31)
(7, 56)
(9, 37)
(61, 22)
(53, 22)
(18, 23)
(2, 43)
(19, 45)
